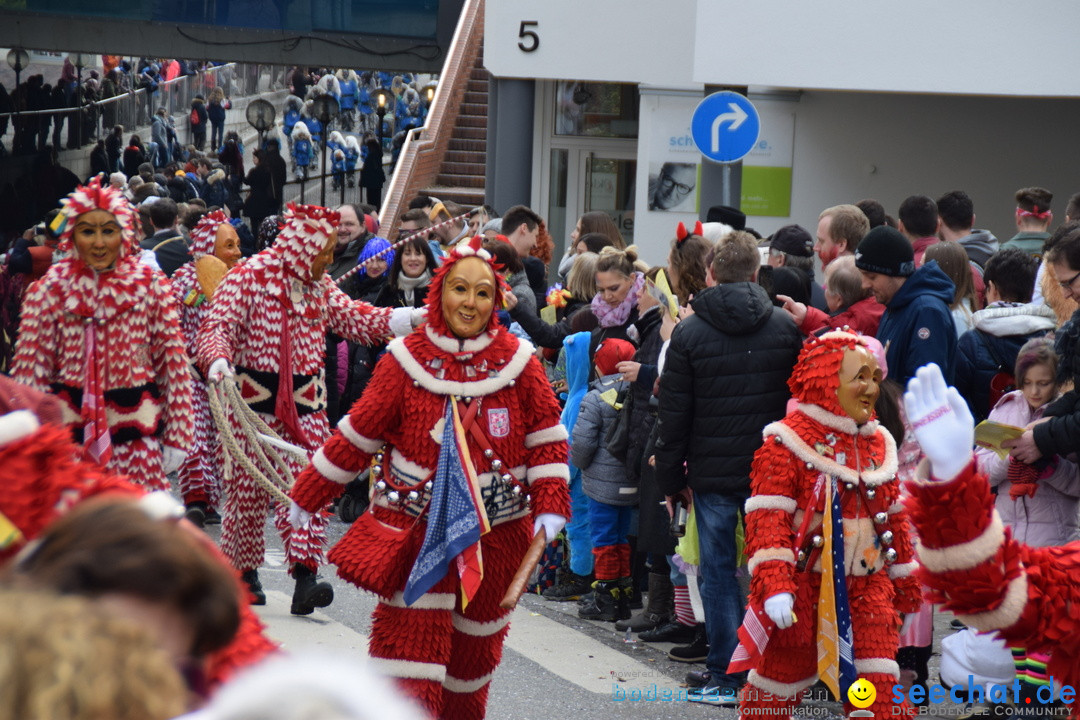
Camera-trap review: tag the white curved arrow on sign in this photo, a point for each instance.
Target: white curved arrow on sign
(735, 117)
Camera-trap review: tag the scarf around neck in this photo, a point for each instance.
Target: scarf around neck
(408, 285)
(609, 316)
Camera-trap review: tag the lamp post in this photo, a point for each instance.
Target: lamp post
(382, 99)
(324, 109)
(429, 97)
(260, 115)
(18, 59)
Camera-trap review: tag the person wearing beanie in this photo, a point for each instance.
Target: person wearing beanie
(917, 326)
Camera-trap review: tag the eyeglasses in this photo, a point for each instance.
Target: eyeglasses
(1067, 284)
(668, 183)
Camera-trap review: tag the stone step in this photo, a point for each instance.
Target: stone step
(470, 133)
(459, 180)
(476, 97)
(465, 156)
(470, 121)
(469, 109)
(462, 168)
(469, 197)
(462, 144)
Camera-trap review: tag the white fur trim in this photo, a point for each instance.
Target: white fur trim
(1007, 613)
(407, 467)
(896, 507)
(883, 666)
(902, 570)
(329, 470)
(771, 502)
(427, 601)
(20, 423)
(967, 555)
(777, 688)
(842, 423)
(555, 433)
(552, 470)
(401, 321)
(409, 669)
(475, 388)
(466, 687)
(767, 554)
(805, 453)
(454, 346)
(480, 629)
(365, 444)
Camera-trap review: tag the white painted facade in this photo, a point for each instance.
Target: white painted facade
(889, 99)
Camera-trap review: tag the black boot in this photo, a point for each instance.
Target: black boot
(660, 607)
(310, 592)
(195, 512)
(625, 599)
(570, 587)
(251, 577)
(696, 651)
(605, 602)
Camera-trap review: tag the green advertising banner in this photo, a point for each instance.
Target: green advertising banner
(766, 191)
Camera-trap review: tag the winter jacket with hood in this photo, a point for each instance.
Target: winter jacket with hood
(918, 327)
(1001, 330)
(980, 245)
(603, 477)
(863, 316)
(1050, 517)
(724, 379)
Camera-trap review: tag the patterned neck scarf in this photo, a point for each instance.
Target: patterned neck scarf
(609, 316)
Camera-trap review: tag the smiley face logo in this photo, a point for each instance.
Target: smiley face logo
(862, 693)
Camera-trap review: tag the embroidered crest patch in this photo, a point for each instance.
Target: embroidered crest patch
(924, 333)
(498, 422)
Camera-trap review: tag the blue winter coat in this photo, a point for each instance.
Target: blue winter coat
(216, 112)
(917, 325)
(291, 116)
(348, 94)
(351, 156)
(302, 152)
(316, 129)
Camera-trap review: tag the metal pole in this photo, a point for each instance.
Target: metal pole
(322, 161)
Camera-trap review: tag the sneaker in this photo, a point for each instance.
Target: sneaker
(572, 587)
(672, 632)
(696, 651)
(957, 625)
(721, 691)
(213, 517)
(698, 678)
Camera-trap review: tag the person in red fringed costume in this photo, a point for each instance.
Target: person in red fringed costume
(42, 477)
(971, 562)
(193, 286)
(469, 462)
(101, 331)
(269, 320)
(830, 555)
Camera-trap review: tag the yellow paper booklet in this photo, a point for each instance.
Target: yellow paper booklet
(990, 435)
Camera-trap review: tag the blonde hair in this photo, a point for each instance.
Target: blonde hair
(66, 658)
(625, 262)
(217, 94)
(581, 280)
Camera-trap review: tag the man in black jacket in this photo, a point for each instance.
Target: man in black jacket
(167, 243)
(724, 379)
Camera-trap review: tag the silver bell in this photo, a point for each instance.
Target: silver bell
(497, 465)
(818, 541)
(881, 518)
(870, 493)
(849, 486)
(802, 555)
(506, 478)
(809, 466)
(516, 490)
(887, 537)
(379, 457)
(489, 453)
(380, 486)
(890, 556)
(376, 470)
(413, 496)
(393, 496)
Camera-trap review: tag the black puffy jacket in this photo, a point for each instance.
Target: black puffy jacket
(724, 379)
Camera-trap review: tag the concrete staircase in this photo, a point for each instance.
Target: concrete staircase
(463, 169)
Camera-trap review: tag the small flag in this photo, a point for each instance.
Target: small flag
(836, 651)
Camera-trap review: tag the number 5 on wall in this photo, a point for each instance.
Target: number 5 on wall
(526, 34)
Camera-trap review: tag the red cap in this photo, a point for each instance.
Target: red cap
(612, 352)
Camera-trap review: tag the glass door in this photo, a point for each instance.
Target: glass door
(609, 187)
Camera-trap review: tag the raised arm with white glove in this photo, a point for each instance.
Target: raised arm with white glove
(941, 421)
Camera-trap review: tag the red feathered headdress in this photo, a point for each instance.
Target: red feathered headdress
(204, 234)
(307, 228)
(817, 373)
(93, 196)
(466, 248)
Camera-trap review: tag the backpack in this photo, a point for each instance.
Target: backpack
(1002, 383)
(194, 116)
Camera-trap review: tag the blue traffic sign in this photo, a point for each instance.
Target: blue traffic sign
(725, 126)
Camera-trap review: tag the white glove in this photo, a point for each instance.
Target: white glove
(909, 620)
(941, 421)
(171, 459)
(552, 524)
(298, 516)
(780, 609)
(401, 321)
(219, 369)
(419, 317)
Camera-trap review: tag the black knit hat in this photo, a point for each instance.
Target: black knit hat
(885, 250)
